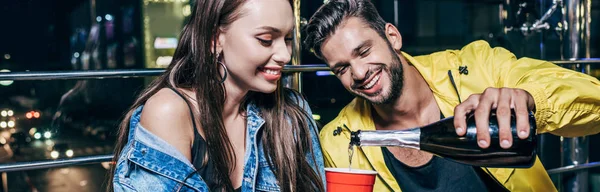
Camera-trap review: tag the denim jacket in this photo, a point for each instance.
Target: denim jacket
(148, 163)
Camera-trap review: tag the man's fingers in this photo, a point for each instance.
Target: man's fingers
(503, 113)
(482, 114)
(461, 111)
(522, 115)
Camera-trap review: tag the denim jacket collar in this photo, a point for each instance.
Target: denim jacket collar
(253, 124)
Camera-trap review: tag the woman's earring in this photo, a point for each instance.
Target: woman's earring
(224, 69)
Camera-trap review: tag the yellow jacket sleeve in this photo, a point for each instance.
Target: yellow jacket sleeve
(567, 102)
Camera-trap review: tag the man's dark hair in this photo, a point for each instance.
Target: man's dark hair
(333, 13)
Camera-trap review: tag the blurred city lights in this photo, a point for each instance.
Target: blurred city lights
(108, 17)
(54, 154)
(69, 153)
(6, 83)
(47, 134)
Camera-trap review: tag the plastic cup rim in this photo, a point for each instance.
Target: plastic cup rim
(353, 171)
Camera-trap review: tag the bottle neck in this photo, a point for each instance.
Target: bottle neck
(402, 138)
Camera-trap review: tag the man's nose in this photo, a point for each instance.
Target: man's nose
(359, 72)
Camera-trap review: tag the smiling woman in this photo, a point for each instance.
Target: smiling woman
(229, 119)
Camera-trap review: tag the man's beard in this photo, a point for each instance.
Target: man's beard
(395, 74)
(396, 77)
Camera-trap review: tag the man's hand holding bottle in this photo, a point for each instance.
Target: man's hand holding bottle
(503, 101)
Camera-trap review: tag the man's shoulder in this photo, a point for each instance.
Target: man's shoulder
(333, 134)
(478, 49)
(475, 46)
(478, 44)
(332, 126)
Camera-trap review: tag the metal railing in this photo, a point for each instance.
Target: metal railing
(90, 74)
(129, 73)
(104, 74)
(123, 73)
(24, 166)
(585, 61)
(43, 164)
(572, 168)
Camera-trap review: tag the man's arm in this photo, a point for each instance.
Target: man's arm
(563, 98)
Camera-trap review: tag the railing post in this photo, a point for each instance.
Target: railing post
(294, 80)
(576, 45)
(4, 182)
(575, 152)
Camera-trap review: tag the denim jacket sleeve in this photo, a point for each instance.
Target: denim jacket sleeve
(319, 165)
(139, 170)
(148, 163)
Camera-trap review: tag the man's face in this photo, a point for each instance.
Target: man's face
(365, 63)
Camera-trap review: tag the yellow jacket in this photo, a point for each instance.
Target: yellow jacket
(567, 104)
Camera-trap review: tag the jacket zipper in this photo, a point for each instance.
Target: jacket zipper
(454, 85)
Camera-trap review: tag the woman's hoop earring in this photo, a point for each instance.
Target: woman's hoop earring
(224, 68)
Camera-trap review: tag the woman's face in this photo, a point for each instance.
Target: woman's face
(257, 45)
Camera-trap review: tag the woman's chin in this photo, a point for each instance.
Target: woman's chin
(268, 88)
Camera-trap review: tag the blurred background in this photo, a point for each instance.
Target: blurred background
(58, 119)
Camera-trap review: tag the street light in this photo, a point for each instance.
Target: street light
(37, 135)
(47, 134)
(5, 83)
(69, 153)
(54, 154)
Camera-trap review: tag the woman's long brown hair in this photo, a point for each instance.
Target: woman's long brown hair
(286, 134)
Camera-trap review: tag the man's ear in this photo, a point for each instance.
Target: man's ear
(393, 36)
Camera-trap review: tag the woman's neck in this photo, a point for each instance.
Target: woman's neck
(234, 96)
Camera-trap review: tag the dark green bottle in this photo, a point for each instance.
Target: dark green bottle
(440, 139)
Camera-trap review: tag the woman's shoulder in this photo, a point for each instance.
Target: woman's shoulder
(296, 97)
(166, 104)
(293, 95)
(167, 115)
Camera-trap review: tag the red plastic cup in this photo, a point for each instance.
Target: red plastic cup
(346, 180)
